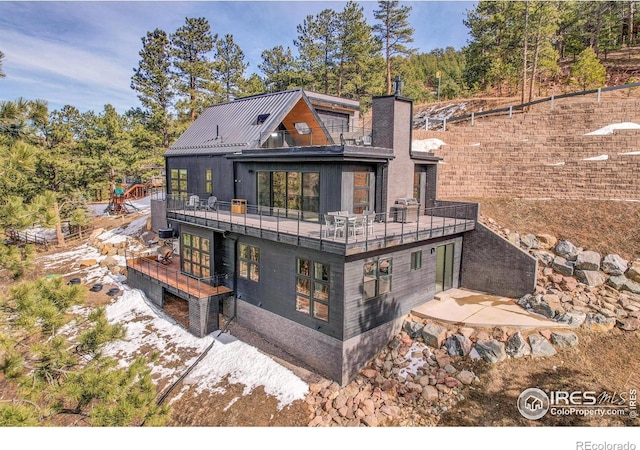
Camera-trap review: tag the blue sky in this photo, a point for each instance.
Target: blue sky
(83, 53)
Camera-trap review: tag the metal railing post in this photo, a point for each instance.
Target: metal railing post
(510, 112)
(472, 119)
(444, 124)
(599, 91)
(552, 101)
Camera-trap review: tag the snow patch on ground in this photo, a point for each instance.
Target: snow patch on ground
(147, 328)
(597, 158)
(414, 363)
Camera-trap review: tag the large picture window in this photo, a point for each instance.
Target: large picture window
(377, 278)
(178, 181)
(312, 288)
(249, 262)
(196, 255)
(292, 194)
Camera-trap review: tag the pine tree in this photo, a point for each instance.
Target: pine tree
(191, 46)
(394, 32)
(357, 53)
(278, 67)
(317, 45)
(229, 66)
(52, 374)
(587, 71)
(152, 79)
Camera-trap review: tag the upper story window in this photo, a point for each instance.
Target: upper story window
(249, 262)
(178, 181)
(208, 181)
(377, 278)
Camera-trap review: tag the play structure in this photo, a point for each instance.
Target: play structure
(131, 189)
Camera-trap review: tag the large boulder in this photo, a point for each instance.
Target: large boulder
(434, 335)
(634, 271)
(539, 306)
(598, 322)
(614, 264)
(458, 345)
(572, 318)
(540, 346)
(566, 250)
(491, 351)
(588, 260)
(564, 338)
(563, 266)
(412, 328)
(543, 256)
(590, 277)
(546, 241)
(517, 346)
(529, 241)
(622, 283)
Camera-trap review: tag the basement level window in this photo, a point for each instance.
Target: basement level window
(261, 118)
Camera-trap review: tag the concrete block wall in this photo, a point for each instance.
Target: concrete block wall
(542, 154)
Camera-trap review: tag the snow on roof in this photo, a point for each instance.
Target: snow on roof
(426, 145)
(609, 129)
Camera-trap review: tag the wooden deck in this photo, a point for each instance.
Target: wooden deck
(170, 275)
(317, 235)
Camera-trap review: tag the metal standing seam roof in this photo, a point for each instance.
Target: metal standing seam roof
(231, 127)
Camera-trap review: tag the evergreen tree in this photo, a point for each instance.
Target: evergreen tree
(587, 71)
(191, 46)
(317, 45)
(253, 85)
(52, 376)
(356, 54)
(152, 79)
(229, 66)
(394, 32)
(278, 67)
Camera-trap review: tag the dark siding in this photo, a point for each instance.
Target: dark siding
(409, 288)
(496, 266)
(275, 292)
(196, 166)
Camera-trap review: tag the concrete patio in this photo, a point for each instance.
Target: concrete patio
(461, 306)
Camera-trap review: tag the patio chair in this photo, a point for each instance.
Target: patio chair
(329, 223)
(165, 256)
(212, 203)
(193, 202)
(370, 218)
(340, 225)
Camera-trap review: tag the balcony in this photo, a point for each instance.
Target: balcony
(170, 277)
(310, 230)
(304, 136)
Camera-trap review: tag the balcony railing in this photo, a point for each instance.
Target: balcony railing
(170, 275)
(313, 230)
(309, 136)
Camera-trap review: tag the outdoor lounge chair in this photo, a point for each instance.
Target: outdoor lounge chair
(165, 256)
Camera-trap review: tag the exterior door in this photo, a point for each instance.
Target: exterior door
(444, 267)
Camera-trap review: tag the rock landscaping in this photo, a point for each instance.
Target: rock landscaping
(415, 379)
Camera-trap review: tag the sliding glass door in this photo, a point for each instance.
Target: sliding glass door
(289, 194)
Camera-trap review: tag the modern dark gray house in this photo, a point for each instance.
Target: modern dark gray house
(316, 233)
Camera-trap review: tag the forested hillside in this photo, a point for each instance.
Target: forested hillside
(53, 162)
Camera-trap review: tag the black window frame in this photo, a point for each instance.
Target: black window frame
(252, 260)
(311, 275)
(380, 279)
